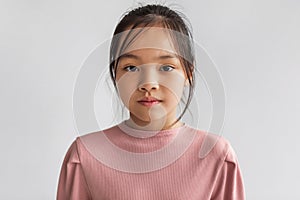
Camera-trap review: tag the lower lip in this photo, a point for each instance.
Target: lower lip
(149, 103)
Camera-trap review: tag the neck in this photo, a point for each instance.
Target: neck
(153, 125)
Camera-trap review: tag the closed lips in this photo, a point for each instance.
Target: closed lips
(149, 100)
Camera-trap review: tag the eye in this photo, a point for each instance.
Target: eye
(166, 68)
(131, 68)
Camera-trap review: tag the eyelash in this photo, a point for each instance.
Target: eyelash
(127, 68)
(169, 66)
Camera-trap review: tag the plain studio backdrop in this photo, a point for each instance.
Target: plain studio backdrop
(254, 43)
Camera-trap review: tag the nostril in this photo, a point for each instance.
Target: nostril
(149, 86)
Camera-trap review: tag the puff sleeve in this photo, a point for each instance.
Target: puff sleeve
(229, 183)
(72, 184)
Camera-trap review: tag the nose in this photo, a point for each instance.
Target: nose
(147, 87)
(148, 79)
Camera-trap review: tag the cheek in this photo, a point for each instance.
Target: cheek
(172, 99)
(174, 84)
(126, 86)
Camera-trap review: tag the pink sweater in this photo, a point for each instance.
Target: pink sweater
(93, 170)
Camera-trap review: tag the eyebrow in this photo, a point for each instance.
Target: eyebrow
(132, 56)
(128, 55)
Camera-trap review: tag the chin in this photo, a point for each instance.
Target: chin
(146, 118)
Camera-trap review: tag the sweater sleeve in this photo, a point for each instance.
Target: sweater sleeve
(72, 184)
(229, 184)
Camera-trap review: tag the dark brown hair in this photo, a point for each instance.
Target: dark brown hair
(149, 16)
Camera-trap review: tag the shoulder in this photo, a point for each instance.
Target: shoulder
(86, 144)
(79, 149)
(214, 146)
(72, 153)
(222, 148)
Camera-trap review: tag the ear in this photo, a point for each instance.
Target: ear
(186, 83)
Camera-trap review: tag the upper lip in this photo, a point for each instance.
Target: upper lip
(149, 99)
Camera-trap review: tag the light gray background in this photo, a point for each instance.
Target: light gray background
(255, 44)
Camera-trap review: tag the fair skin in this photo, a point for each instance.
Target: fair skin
(150, 80)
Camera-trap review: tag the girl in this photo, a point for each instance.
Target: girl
(153, 154)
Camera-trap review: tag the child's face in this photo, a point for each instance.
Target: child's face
(150, 78)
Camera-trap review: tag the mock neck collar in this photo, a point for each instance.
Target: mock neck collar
(138, 133)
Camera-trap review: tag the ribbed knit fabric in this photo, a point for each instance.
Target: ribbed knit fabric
(84, 175)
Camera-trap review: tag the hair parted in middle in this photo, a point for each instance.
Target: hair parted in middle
(156, 15)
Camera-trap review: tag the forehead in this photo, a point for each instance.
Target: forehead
(148, 38)
(149, 55)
